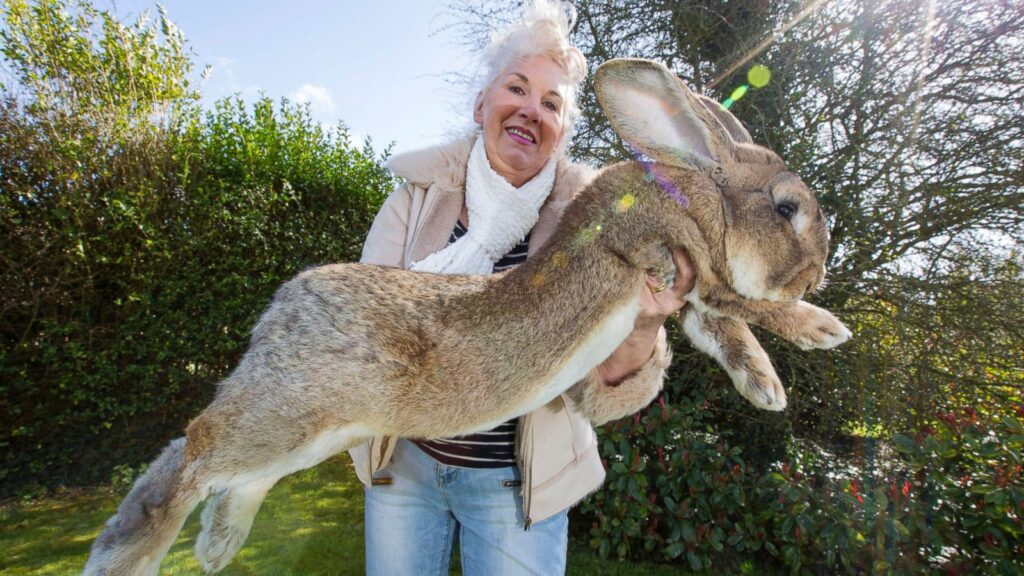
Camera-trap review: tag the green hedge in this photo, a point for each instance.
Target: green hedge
(137, 269)
(947, 500)
(140, 236)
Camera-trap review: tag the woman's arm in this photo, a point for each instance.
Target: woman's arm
(655, 306)
(632, 376)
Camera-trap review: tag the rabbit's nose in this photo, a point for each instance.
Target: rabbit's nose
(806, 281)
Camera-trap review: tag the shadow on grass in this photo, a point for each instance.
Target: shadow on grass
(311, 523)
(52, 536)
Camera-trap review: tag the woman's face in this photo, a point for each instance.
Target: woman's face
(521, 114)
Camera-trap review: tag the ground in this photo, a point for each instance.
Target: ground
(311, 523)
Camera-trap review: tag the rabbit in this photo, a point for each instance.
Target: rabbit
(346, 352)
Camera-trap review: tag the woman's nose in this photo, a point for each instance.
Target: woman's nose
(530, 111)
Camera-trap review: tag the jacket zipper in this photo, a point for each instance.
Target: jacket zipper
(526, 466)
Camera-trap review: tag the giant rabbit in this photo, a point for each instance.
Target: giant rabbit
(346, 352)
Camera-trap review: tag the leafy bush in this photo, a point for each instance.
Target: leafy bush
(952, 501)
(964, 491)
(123, 476)
(141, 237)
(675, 486)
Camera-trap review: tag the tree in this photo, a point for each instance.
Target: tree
(904, 116)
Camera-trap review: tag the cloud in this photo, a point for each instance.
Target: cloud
(318, 97)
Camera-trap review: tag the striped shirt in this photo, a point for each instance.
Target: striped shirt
(493, 448)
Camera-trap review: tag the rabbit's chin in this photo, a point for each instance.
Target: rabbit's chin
(804, 282)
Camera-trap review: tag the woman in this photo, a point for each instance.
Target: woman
(478, 205)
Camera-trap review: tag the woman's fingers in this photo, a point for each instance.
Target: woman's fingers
(656, 283)
(661, 301)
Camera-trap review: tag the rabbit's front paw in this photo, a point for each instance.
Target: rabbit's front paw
(818, 328)
(757, 381)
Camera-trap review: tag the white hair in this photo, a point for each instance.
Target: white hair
(543, 30)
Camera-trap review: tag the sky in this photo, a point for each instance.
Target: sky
(383, 68)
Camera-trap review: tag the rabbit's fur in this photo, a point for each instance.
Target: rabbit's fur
(350, 351)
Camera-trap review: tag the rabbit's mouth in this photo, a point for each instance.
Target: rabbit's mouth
(806, 281)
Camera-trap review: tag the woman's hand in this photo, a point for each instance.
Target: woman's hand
(657, 302)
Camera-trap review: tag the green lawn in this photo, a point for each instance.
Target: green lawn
(311, 523)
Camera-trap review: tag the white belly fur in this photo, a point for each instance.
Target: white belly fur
(323, 446)
(598, 346)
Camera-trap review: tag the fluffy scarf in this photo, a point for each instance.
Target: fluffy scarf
(500, 215)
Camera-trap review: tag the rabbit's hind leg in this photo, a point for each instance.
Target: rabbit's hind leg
(229, 513)
(226, 520)
(138, 536)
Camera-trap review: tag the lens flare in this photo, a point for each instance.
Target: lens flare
(807, 9)
(587, 235)
(625, 203)
(651, 174)
(559, 259)
(759, 75)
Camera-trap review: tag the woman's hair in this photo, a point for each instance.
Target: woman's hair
(543, 31)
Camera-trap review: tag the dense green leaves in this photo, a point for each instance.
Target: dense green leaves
(139, 248)
(948, 500)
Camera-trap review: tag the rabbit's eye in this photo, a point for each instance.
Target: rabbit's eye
(786, 209)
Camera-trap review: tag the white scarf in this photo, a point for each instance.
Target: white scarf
(500, 216)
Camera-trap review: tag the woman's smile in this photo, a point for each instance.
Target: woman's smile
(521, 135)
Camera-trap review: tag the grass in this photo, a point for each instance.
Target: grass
(311, 523)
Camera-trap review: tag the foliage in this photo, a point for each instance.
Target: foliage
(142, 236)
(968, 488)
(670, 484)
(72, 62)
(123, 476)
(951, 499)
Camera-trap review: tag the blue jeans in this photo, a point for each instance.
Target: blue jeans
(418, 507)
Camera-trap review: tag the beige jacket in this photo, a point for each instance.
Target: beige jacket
(555, 445)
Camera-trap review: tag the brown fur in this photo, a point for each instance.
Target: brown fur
(348, 351)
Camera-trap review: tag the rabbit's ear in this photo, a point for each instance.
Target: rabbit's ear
(735, 128)
(651, 109)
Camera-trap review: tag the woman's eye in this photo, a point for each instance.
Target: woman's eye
(551, 106)
(518, 90)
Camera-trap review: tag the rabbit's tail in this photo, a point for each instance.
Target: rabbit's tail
(138, 536)
(227, 518)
